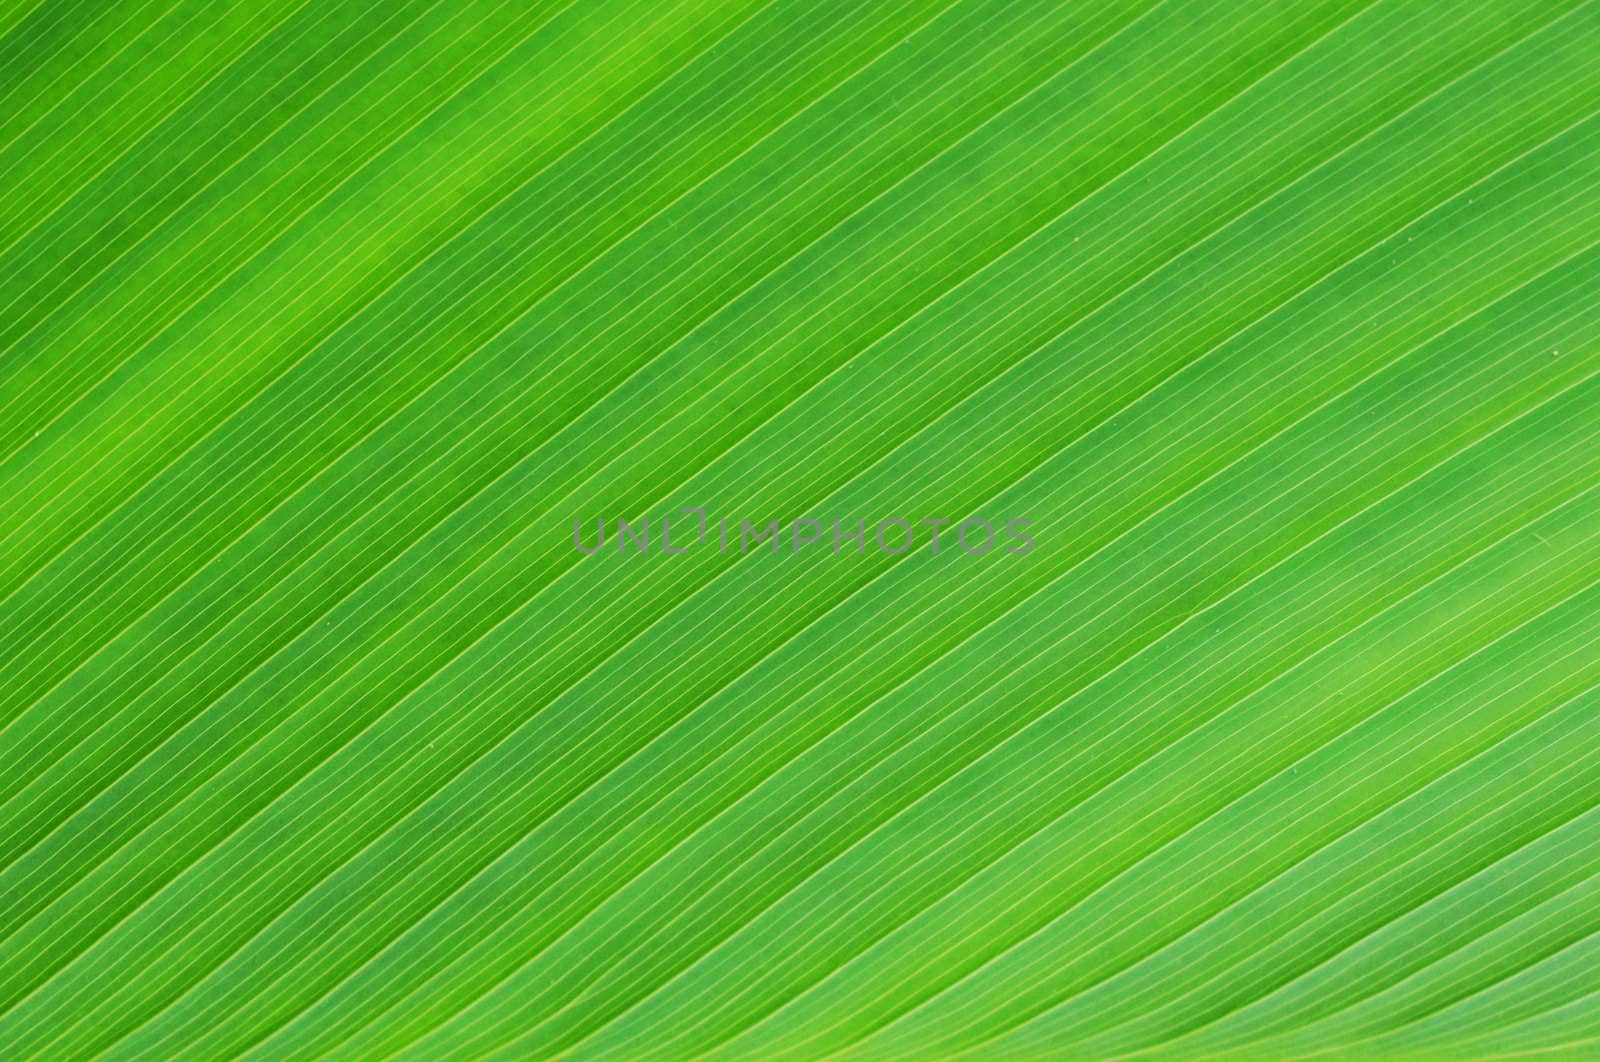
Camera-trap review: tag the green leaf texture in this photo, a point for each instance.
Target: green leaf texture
(324, 320)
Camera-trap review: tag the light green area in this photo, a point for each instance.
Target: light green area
(321, 320)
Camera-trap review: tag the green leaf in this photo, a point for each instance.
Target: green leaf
(1181, 426)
